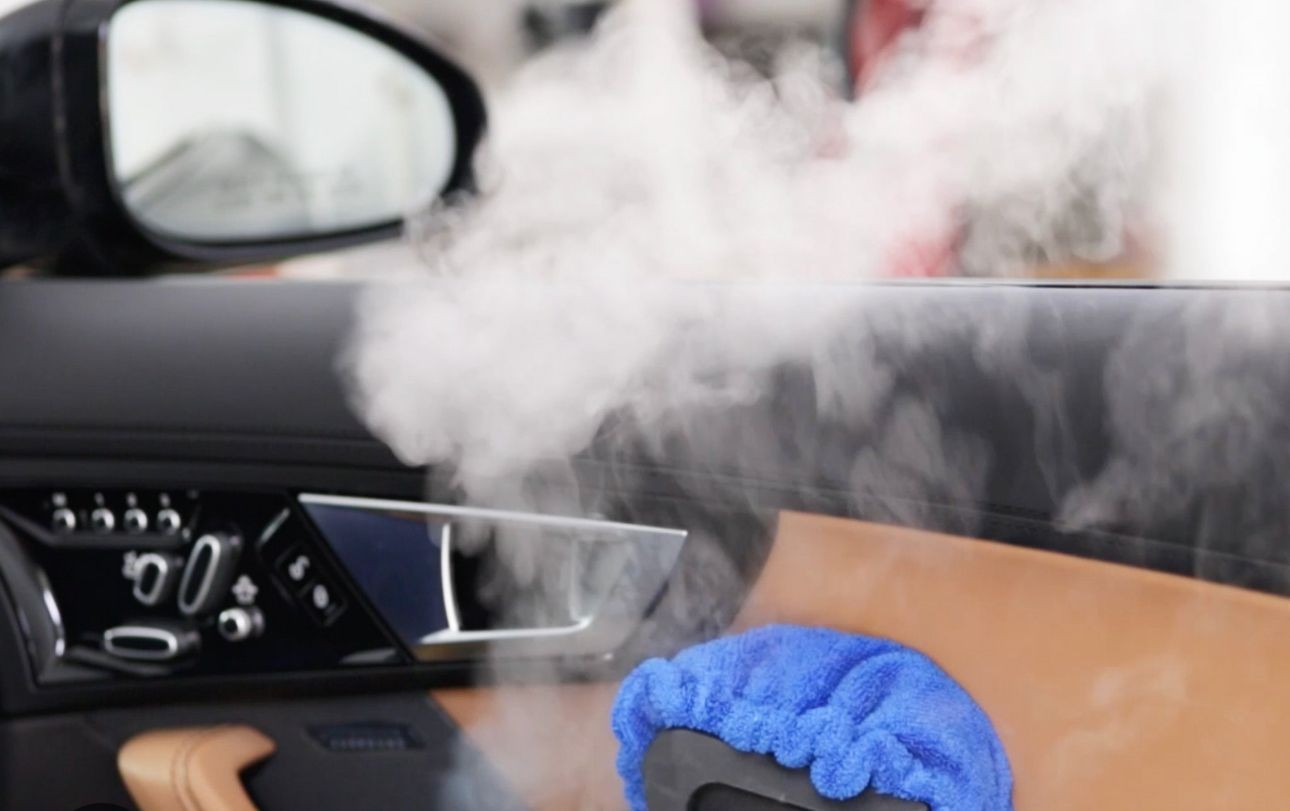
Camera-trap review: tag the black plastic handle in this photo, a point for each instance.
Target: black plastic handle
(691, 771)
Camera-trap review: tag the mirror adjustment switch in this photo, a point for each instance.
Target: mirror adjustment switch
(209, 573)
(238, 624)
(155, 577)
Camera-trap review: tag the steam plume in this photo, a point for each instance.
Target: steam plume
(623, 174)
(660, 232)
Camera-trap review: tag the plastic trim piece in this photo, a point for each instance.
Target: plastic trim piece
(690, 771)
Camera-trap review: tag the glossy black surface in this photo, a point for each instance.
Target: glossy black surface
(690, 771)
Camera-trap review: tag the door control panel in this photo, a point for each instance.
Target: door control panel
(148, 583)
(179, 583)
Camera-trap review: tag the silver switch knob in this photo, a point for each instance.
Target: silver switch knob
(168, 521)
(64, 520)
(135, 521)
(238, 624)
(102, 520)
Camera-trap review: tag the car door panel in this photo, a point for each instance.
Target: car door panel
(394, 751)
(1103, 680)
(1104, 638)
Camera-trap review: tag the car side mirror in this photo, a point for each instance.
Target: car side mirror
(147, 133)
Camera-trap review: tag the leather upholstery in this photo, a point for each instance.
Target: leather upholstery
(192, 768)
(1111, 687)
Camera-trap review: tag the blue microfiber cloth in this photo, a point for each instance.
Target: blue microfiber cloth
(859, 712)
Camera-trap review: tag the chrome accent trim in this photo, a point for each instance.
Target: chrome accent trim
(174, 646)
(273, 526)
(191, 607)
(52, 609)
(501, 634)
(37, 611)
(450, 609)
(484, 514)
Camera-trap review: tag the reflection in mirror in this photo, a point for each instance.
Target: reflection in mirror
(232, 121)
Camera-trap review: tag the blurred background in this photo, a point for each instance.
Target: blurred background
(494, 39)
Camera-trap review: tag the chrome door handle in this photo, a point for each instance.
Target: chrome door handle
(615, 571)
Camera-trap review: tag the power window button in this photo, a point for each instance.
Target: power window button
(316, 594)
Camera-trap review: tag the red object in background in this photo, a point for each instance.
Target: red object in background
(875, 28)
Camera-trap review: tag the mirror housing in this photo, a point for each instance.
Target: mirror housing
(62, 203)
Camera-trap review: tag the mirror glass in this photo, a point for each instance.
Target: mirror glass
(234, 121)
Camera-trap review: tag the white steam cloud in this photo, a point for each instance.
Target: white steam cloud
(660, 229)
(623, 174)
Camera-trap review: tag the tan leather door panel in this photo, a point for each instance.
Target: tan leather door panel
(1112, 687)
